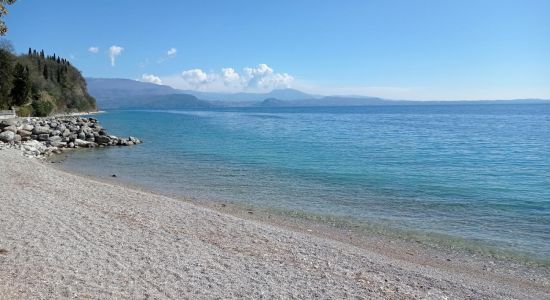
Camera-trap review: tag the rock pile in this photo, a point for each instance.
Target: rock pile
(44, 136)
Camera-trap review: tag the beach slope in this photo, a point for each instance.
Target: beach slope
(66, 236)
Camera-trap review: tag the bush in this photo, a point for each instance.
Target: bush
(24, 111)
(42, 108)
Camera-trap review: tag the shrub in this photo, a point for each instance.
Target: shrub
(24, 111)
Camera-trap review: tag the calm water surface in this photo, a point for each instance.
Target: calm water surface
(475, 172)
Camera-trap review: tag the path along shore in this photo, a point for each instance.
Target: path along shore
(67, 236)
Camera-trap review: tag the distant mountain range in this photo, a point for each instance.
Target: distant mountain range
(112, 93)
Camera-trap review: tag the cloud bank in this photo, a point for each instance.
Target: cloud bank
(251, 79)
(113, 52)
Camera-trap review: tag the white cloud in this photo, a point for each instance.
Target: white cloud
(113, 52)
(195, 78)
(93, 49)
(257, 79)
(151, 78)
(171, 51)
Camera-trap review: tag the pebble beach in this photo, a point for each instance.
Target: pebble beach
(68, 236)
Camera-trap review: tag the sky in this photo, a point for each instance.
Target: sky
(407, 49)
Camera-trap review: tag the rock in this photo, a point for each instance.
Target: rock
(27, 127)
(43, 137)
(58, 144)
(22, 132)
(82, 136)
(41, 130)
(17, 138)
(8, 122)
(71, 145)
(56, 132)
(81, 143)
(66, 133)
(102, 140)
(11, 128)
(55, 138)
(54, 124)
(7, 136)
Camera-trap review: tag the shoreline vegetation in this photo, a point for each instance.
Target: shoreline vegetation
(39, 85)
(164, 247)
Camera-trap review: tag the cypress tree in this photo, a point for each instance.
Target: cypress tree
(42, 53)
(30, 51)
(45, 72)
(21, 90)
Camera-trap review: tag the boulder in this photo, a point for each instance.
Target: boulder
(43, 137)
(41, 130)
(56, 132)
(11, 128)
(66, 133)
(8, 122)
(27, 127)
(23, 132)
(102, 140)
(81, 143)
(7, 136)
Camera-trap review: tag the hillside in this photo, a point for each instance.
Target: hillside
(38, 84)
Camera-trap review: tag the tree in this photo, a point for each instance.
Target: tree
(3, 12)
(7, 60)
(21, 91)
(45, 72)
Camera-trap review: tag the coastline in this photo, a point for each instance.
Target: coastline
(174, 247)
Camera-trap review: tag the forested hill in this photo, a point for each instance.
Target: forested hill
(38, 84)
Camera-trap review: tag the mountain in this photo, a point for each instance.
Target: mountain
(108, 91)
(373, 101)
(172, 101)
(38, 84)
(281, 94)
(328, 101)
(125, 93)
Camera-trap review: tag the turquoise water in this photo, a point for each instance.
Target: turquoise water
(475, 172)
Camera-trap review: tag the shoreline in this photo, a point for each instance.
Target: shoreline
(398, 264)
(349, 231)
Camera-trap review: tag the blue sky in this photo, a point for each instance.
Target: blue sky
(423, 49)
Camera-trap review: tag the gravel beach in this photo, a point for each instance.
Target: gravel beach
(68, 236)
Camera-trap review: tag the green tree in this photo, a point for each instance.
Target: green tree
(3, 12)
(7, 60)
(45, 72)
(21, 91)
